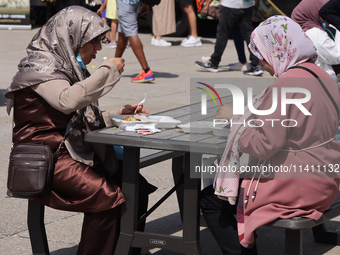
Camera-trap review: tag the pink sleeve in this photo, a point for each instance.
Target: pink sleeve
(266, 140)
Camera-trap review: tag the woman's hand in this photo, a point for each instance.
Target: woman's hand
(204, 10)
(129, 109)
(144, 10)
(224, 112)
(100, 10)
(118, 62)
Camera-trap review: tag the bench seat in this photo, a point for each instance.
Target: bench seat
(294, 229)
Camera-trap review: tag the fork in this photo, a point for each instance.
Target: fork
(141, 102)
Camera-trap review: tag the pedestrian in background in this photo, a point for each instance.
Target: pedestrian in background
(330, 12)
(192, 39)
(128, 11)
(231, 13)
(306, 14)
(107, 38)
(112, 14)
(163, 22)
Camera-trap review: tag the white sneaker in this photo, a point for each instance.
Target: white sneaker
(205, 59)
(192, 42)
(162, 43)
(185, 39)
(239, 67)
(153, 41)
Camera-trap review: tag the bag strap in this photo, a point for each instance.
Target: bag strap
(322, 84)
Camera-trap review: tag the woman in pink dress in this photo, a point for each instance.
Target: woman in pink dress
(294, 156)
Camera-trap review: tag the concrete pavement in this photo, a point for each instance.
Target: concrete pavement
(173, 67)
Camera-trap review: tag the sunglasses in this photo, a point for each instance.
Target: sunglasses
(97, 39)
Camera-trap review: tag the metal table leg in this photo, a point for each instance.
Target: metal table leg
(177, 171)
(191, 244)
(130, 187)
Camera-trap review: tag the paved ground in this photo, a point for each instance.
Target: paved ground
(173, 68)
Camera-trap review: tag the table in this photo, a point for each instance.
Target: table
(192, 147)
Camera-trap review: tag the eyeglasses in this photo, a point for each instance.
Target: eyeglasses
(97, 39)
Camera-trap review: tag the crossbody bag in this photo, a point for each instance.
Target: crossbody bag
(31, 168)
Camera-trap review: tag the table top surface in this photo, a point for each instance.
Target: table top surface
(173, 139)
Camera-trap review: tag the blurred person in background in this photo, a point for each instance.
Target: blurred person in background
(192, 39)
(232, 12)
(163, 22)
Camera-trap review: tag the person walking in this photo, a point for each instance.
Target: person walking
(232, 12)
(102, 13)
(163, 22)
(128, 11)
(192, 39)
(110, 8)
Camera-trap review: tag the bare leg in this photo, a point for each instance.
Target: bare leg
(114, 24)
(107, 35)
(189, 11)
(121, 45)
(137, 48)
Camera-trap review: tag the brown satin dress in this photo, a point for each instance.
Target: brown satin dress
(76, 186)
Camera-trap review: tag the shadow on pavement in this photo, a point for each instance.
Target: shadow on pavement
(66, 251)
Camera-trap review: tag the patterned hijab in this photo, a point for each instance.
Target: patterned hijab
(282, 43)
(52, 55)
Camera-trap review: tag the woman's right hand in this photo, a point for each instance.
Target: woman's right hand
(224, 112)
(118, 62)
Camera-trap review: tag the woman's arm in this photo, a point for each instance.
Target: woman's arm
(264, 141)
(66, 98)
(328, 51)
(101, 8)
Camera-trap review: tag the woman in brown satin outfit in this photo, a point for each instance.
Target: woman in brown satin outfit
(53, 95)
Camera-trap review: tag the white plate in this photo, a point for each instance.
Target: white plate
(197, 127)
(163, 121)
(221, 131)
(118, 120)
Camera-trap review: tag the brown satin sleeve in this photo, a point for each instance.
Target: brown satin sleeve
(66, 98)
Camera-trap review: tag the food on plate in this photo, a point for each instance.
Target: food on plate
(131, 118)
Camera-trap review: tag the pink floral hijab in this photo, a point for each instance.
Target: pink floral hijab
(52, 55)
(283, 44)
